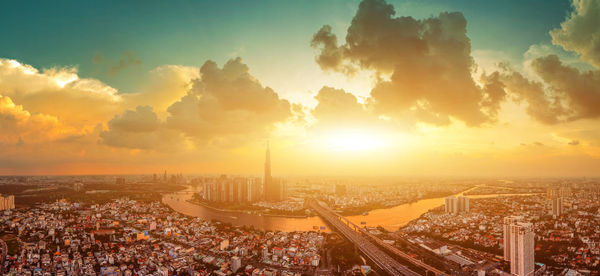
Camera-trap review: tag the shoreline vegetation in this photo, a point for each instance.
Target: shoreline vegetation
(377, 206)
(347, 212)
(257, 211)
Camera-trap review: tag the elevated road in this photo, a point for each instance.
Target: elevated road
(371, 245)
(370, 250)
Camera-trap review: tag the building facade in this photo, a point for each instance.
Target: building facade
(519, 246)
(7, 202)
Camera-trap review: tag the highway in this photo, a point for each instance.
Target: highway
(386, 263)
(3, 257)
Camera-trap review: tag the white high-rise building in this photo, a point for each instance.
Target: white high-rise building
(236, 263)
(522, 252)
(7, 202)
(519, 246)
(463, 204)
(451, 205)
(557, 206)
(454, 205)
(508, 221)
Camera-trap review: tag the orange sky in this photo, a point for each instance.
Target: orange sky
(394, 102)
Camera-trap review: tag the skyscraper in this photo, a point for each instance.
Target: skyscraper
(519, 246)
(7, 202)
(463, 204)
(267, 178)
(454, 205)
(508, 221)
(451, 205)
(522, 249)
(557, 206)
(271, 191)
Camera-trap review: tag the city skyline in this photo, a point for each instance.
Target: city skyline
(366, 88)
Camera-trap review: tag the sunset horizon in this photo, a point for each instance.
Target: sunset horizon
(300, 138)
(374, 88)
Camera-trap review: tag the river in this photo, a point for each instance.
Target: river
(388, 218)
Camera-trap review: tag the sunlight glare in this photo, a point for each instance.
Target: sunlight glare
(355, 141)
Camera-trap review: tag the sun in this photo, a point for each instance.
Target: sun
(354, 140)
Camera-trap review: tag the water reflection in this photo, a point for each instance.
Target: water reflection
(179, 203)
(390, 218)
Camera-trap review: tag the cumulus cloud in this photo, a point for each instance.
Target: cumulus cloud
(58, 92)
(338, 107)
(19, 126)
(167, 84)
(562, 94)
(221, 104)
(540, 106)
(429, 62)
(580, 90)
(227, 101)
(580, 32)
(140, 129)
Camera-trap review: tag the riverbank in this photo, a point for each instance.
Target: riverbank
(258, 213)
(378, 206)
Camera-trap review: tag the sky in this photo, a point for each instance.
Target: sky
(365, 88)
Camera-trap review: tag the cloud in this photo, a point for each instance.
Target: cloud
(227, 102)
(167, 84)
(337, 107)
(19, 126)
(540, 107)
(429, 62)
(128, 59)
(58, 92)
(221, 105)
(580, 90)
(330, 56)
(143, 119)
(580, 32)
(140, 129)
(574, 142)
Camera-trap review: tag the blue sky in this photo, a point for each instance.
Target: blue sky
(271, 36)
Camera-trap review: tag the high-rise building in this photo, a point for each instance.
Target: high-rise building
(508, 221)
(565, 191)
(340, 189)
(522, 249)
(274, 188)
(454, 205)
(463, 204)
(7, 202)
(226, 189)
(236, 263)
(551, 192)
(557, 206)
(451, 205)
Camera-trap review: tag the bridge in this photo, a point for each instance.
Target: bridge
(371, 245)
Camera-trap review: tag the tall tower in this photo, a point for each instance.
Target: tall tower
(268, 163)
(267, 181)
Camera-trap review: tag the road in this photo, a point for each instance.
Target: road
(3, 257)
(386, 263)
